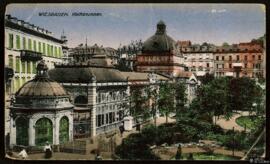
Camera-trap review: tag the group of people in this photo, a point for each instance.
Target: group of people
(23, 154)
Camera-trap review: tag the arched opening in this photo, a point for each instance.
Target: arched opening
(22, 131)
(64, 130)
(44, 131)
(81, 100)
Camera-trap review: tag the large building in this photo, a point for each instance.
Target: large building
(25, 44)
(41, 112)
(98, 91)
(160, 54)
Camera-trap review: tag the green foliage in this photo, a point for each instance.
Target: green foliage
(139, 104)
(250, 122)
(133, 148)
(166, 99)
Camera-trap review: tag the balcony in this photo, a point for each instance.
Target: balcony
(27, 55)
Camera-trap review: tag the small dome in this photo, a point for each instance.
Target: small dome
(41, 85)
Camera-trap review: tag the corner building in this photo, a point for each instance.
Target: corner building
(25, 44)
(160, 54)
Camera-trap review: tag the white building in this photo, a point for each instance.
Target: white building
(25, 44)
(199, 59)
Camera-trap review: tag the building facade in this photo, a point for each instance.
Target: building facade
(25, 44)
(239, 62)
(160, 54)
(199, 59)
(41, 112)
(98, 91)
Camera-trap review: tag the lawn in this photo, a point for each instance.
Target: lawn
(204, 156)
(248, 121)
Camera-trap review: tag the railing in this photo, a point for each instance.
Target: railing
(78, 147)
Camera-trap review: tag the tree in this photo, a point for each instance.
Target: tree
(225, 44)
(180, 96)
(152, 97)
(139, 107)
(166, 99)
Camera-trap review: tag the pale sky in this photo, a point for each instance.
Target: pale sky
(122, 23)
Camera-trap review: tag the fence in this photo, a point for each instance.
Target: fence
(78, 147)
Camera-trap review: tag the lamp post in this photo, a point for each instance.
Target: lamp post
(233, 143)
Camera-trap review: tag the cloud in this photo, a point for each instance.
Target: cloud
(218, 10)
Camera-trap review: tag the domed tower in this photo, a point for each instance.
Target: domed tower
(160, 54)
(41, 112)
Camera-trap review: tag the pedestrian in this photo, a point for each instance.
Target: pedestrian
(48, 150)
(23, 154)
(122, 129)
(98, 156)
(178, 153)
(190, 156)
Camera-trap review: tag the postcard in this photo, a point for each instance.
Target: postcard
(155, 81)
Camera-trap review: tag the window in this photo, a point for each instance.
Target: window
(237, 57)
(217, 58)
(253, 57)
(17, 84)
(34, 68)
(245, 65)
(44, 49)
(230, 65)
(23, 67)
(253, 65)
(18, 43)
(230, 58)
(99, 121)
(222, 65)
(10, 41)
(217, 66)
(44, 131)
(55, 52)
(259, 57)
(24, 43)
(39, 47)
(222, 57)
(245, 57)
(18, 64)
(48, 50)
(207, 65)
(29, 67)
(52, 51)
(10, 61)
(107, 118)
(21, 132)
(29, 44)
(258, 65)
(64, 130)
(110, 117)
(35, 45)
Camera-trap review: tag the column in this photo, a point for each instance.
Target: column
(70, 120)
(56, 129)
(31, 133)
(92, 102)
(12, 132)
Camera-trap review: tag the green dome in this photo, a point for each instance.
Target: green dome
(160, 41)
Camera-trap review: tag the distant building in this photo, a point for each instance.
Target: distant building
(66, 50)
(199, 59)
(239, 61)
(160, 54)
(41, 112)
(25, 44)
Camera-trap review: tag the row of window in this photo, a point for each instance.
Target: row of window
(33, 45)
(258, 65)
(111, 96)
(238, 57)
(22, 66)
(109, 118)
(18, 82)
